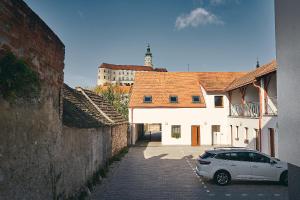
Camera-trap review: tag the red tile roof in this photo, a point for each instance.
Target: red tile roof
(182, 84)
(126, 67)
(253, 75)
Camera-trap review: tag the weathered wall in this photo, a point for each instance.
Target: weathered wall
(30, 132)
(119, 138)
(85, 151)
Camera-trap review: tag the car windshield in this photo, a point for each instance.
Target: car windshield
(207, 155)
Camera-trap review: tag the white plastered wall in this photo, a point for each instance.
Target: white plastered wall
(186, 117)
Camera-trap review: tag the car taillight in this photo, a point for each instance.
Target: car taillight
(204, 162)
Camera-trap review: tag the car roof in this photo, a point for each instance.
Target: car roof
(226, 150)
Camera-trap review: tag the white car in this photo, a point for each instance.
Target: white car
(226, 164)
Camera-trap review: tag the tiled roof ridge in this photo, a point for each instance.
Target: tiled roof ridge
(92, 102)
(252, 75)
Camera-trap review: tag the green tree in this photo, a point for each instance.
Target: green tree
(115, 96)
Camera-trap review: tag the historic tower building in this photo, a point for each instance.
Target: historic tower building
(148, 57)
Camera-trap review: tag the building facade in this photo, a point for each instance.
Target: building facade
(124, 74)
(209, 108)
(287, 54)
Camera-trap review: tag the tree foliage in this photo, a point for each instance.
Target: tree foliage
(115, 96)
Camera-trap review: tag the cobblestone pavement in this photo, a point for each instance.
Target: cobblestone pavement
(167, 172)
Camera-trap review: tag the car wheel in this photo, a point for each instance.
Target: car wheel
(284, 178)
(222, 177)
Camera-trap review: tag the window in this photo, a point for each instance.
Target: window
(104, 77)
(207, 155)
(176, 132)
(219, 102)
(216, 128)
(147, 99)
(223, 156)
(255, 157)
(173, 99)
(237, 133)
(244, 156)
(246, 141)
(196, 99)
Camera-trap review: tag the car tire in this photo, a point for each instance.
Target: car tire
(222, 177)
(284, 178)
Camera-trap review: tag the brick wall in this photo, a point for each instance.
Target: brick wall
(30, 133)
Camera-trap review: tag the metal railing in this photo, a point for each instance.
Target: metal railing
(250, 109)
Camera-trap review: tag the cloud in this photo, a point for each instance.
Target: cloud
(195, 18)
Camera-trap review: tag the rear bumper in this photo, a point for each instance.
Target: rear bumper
(202, 173)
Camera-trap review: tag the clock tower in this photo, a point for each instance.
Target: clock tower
(148, 57)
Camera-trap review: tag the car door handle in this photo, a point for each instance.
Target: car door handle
(233, 165)
(254, 166)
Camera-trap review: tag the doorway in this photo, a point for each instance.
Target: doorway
(272, 142)
(195, 135)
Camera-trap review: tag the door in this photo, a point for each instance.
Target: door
(216, 134)
(272, 142)
(195, 135)
(261, 167)
(240, 166)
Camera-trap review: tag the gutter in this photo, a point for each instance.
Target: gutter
(260, 114)
(91, 101)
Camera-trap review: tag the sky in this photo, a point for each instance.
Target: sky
(206, 35)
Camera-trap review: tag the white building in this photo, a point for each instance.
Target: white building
(287, 23)
(189, 106)
(208, 108)
(124, 74)
(253, 110)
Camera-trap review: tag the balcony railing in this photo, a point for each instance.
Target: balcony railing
(245, 110)
(271, 108)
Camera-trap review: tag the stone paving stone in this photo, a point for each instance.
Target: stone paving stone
(163, 172)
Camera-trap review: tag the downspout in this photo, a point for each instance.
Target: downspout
(260, 114)
(132, 125)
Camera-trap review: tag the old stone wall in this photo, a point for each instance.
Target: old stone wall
(30, 132)
(85, 151)
(119, 138)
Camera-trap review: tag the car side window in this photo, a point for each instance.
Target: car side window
(255, 157)
(222, 156)
(234, 156)
(244, 156)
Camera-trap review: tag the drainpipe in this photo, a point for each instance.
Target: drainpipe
(260, 114)
(132, 126)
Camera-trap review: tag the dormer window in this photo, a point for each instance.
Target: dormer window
(147, 99)
(173, 99)
(196, 99)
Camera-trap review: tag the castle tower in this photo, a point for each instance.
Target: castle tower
(148, 57)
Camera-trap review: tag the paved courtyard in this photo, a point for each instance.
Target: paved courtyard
(153, 171)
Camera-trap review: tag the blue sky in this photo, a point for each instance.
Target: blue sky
(209, 35)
